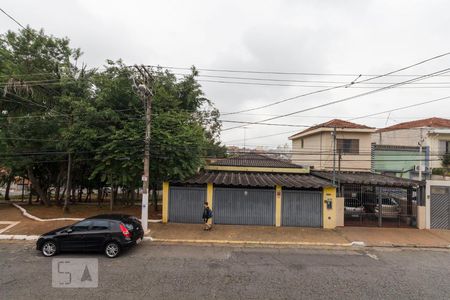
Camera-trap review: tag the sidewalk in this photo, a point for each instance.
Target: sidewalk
(265, 235)
(253, 235)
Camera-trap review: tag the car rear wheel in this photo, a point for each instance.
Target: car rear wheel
(49, 248)
(112, 249)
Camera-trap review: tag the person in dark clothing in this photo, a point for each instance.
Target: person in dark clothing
(207, 214)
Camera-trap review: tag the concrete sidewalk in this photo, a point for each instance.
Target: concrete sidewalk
(265, 235)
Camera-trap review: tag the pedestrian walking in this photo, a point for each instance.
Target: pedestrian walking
(207, 214)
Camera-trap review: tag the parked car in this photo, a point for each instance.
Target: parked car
(353, 207)
(389, 208)
(110, 234)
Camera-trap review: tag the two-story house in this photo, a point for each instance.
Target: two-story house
(403, 140)
(318, 148)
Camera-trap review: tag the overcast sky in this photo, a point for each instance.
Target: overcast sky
(326, 37)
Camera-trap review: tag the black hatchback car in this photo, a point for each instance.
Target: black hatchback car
(107, 233)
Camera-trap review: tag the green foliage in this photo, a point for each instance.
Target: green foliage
(446, 160)
(52, 107)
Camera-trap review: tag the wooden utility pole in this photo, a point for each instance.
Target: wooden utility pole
(144, 90)
(69, 183)
(334, 156)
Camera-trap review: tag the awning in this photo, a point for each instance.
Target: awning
(305, 181)
(367, 178)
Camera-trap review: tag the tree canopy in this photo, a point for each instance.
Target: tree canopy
(52, 106)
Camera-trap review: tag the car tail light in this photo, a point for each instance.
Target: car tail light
(125, 231)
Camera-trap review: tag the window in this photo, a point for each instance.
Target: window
(82, 226)
(100, 225)
(348, 146)
(444, 147)
(302, 143)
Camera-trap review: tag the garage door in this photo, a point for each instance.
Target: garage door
(244, 206)
(186, 204)
(302, 208)
(440, 207)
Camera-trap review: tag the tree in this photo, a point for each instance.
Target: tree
(31, 62)
(52, 110)
(445, 163)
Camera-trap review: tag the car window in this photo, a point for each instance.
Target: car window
(82, 226)
(100, 225)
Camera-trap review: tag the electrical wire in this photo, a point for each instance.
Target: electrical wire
(446, 70)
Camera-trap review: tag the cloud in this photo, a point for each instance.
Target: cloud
(292, 36)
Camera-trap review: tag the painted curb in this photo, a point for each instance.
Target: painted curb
(251, 242)
(19, 237)
(358, 244)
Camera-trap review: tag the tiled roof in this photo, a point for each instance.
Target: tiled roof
(431, 122)
(254, 160)
(256, 179)
(367, 178)
(339, 124)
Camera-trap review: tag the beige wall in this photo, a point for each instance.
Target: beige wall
(403, 137)
(322, 143)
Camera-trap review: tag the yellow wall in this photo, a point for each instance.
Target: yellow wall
(209, 199)
(329, 215)
(340, 211)
(165, 204)
(278, 206)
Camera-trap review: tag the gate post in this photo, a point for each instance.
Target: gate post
(209, 199)
(165, 202)
(278, 195)
(329, 207)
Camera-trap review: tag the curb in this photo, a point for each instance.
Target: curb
(224, 242)
(19, 237)
(352, 245)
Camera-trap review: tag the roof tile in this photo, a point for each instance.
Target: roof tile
(430, 122)
(334, 123)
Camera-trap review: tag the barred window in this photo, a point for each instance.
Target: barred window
(347, 146)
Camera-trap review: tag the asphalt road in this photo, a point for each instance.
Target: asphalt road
(157, 271)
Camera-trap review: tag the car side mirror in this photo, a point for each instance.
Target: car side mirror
(68, 230)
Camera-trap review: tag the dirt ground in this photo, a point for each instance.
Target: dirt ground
(80, 211)
(31, 227)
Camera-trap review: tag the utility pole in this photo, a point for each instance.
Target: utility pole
(144, 90)
(420, 154)
(334, 156)
(69, 183)
(339, 171)
(245, 137)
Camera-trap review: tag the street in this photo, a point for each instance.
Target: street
(163, 271)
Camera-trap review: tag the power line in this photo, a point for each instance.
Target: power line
(351, 83)
(12, 18)
(351, 119)
(352, 97)
(400, 108)
(283, 73)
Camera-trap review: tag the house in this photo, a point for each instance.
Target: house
(315, 147)
(405, 139)
(252, 189)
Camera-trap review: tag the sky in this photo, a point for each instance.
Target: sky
(326, 39)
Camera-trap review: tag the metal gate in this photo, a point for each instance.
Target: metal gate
(186, 204)
(440, 207)
(244, 206)
(302, 208)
